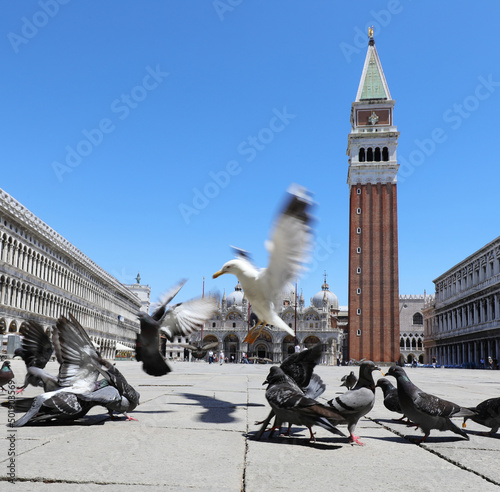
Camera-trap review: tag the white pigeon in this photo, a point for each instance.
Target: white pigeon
(288, 249)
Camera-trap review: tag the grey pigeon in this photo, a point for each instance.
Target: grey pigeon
(299, 366)
(290, 404)
(64, 406)
(427, 411)
(6, 374)
(129, 397)
(487, 413)
(349, 380)
(391, 398)
(199, 351)
(36, 350)
(182, 318)
(80, 366)
(357, 402)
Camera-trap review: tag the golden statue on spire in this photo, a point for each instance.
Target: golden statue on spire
(370, 32)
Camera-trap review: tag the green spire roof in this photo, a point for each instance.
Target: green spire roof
(373, 84)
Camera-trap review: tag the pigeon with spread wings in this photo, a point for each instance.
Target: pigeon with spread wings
(290, 404)
(180, 319)
(78, 386)
(36, 350)
(291, 241)
(80, 366)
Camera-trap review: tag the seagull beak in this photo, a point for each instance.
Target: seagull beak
(218, 274)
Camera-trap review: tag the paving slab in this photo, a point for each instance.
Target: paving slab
(196, 431)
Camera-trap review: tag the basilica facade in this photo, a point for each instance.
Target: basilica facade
(318, 322)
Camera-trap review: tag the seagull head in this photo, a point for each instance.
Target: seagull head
(232, 266)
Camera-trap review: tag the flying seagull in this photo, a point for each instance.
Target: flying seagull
(487, 413)
(291, 405)
(180, 319)
(349, 380)
(299, 366)
(288, 248)
(6, 374)
(36, 350)
(427, 411)
(356, 403)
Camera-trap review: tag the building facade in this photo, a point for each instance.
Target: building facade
(462, 320)
(43, 276)
(411, 323)
(316, 323)
(373, 234)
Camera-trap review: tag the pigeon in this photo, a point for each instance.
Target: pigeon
(487, 413)
(427, 411)
(129, 397)
(291, 405)
(357, 402)
(349, 380)
(182, 318)
(36, 350)
(63, 406)
(6, 374)
(199, 351)
(391, 399)
(80, 366)
(299, 366)
(288, 249)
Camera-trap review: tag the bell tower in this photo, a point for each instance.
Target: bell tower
(373, 227)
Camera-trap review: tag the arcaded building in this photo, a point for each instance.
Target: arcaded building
(44, 276)
(462, 319)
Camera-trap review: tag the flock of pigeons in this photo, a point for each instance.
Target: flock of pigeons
(293, 390)
(86, 380)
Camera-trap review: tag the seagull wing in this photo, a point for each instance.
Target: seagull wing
(291, 241)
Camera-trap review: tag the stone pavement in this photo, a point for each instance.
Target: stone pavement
(195, 432)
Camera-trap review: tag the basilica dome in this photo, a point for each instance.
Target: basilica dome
(317, 300)
(236, 297)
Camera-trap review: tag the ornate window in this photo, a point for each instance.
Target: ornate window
(418, 319)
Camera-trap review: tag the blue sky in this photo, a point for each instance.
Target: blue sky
(155, 134)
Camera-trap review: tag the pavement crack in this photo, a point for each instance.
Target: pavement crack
(245, 453)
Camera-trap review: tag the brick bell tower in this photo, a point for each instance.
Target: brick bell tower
(373, 224)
